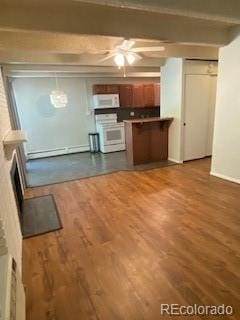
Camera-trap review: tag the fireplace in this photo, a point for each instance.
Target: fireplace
(17, 187)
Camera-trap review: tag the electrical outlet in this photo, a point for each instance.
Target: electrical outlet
(132, 113)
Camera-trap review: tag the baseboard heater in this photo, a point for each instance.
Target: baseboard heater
(57, 151)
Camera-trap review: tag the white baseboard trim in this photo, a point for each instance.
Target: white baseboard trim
(222, 176)
(174, 160)
(57, 152)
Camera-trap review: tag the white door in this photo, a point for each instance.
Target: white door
(199, 116)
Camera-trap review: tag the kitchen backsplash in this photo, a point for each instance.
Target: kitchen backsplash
(131, 113)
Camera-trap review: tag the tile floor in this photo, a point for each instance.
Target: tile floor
(58, 169)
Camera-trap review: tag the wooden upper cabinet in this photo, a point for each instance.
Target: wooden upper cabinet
(148, 92)
(105, 89)
(132, 95)
(99, 88)
(126, 95)
(144, 95)
(156, 94)
(138, 95)
(112, 88)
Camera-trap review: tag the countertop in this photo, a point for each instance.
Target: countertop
(143, 120)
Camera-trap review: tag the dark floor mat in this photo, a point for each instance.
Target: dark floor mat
(40, 215)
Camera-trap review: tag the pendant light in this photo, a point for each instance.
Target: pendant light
(58, 97)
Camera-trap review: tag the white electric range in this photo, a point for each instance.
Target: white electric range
(111, 133)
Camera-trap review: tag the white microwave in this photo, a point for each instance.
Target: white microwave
(102, 101)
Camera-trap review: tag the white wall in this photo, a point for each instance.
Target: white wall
(171, 104)
(49, 128)
(8, 210)
(173, 80)
(226, 143)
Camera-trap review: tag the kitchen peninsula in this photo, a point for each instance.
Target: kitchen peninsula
(147, 139)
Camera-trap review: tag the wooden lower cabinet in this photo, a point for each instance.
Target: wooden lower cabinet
(147, 140)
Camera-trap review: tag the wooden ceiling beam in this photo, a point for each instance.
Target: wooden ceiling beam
(74, 17)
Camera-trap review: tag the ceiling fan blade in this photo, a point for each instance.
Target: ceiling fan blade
(127, 44)
(102, 51)
(109, 56)
(148, 49)
(137, 56)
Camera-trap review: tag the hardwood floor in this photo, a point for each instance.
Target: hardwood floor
(134, 240)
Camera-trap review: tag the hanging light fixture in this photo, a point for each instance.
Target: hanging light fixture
(119, 59)
(58, 97)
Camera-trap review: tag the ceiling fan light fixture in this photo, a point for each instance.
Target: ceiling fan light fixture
(119, 59)
(130, 58)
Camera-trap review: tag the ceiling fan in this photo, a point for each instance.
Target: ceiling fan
(125, 53)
